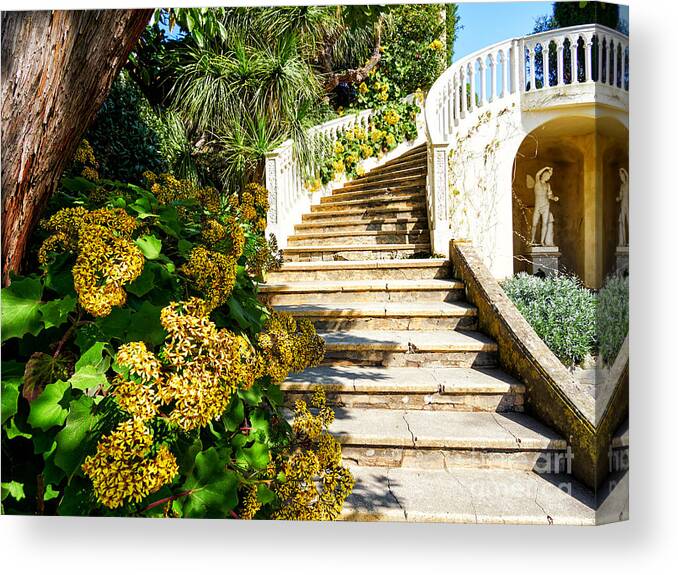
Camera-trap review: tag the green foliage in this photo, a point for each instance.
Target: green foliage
(125, 135)
(415, 46)
(72, 374)
(566, 14)
(560, 310)
(612, 316)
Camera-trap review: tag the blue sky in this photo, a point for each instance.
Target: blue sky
(485, 23)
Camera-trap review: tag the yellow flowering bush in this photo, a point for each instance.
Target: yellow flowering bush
(154, 390)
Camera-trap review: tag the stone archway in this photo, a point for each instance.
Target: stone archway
(586, 154)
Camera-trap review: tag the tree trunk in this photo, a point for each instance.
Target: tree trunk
(57, 68)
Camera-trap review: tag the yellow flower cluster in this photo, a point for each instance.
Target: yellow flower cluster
(249, 504)
(316, 484)
(377, 135)
(313, 185)
(382, 91)
(366, 151)
(436, 45)
(168, 189)
(212, 273)
(390, 139)
(392, 117)
(253, 205)
(338, 147)
(289, 345)
(339, 167)
(126, 468)
(363, 89)
(205, 364)
(107, 258)
(266, 257)
(85, 156)
(360, 171)
(227, 237)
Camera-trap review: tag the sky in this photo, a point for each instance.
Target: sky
(486, 23)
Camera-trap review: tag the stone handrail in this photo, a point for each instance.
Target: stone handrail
(288, 197)
(511, 73)
(552, 393)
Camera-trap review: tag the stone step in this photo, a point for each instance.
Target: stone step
(372, 315)
(429, 268)
(352, 291)
(412, 156)
(357, 252)
(386, 192)
(408, 168)
(371, 237)
(364, 214)
(440, 439)
(411, 202)
(457, 389)
(404, 348)
(357, 188)
(357, 225)
(468, 495)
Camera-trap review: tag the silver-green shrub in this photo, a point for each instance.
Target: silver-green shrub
(613, 316)
(560, 309)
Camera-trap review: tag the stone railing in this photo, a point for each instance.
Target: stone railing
(289, 198)
(287, 195)
(592, 60)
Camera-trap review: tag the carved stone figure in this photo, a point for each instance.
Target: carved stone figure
(543, 195)
(623, 208)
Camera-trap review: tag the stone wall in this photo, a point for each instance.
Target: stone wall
(552, 394)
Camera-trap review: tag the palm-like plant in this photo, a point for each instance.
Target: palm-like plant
(261, 80)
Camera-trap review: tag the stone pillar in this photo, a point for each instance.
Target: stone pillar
(593, 211)
(438, 214)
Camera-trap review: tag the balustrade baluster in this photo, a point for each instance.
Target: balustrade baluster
(493, 78)
(588, 54)
(483, 82)
(532, 50)
(546, 64)
(464, 97)
(472, 82)
(560, 60)
(613, 76)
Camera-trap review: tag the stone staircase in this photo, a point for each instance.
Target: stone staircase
(432, 428)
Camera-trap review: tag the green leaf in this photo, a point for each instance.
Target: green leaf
(91, 368)
(46, 411)
(144, 283)
(41, 370)
(50, 493)
(145, 325)
(72, 440)
(213, 491)
(88, 378)
(13, 489)
(116, 323)
(150, 246)
(275, 394)
(264, 494)
(252, 395)
(94, 357)
(257, 455)
(78, 499)
(55, 313)
(12, 377)
(21, 308)
(234, 415)
(59, 277)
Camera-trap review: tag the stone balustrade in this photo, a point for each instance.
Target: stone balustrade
(569, 65)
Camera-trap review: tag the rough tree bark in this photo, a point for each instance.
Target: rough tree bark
(57, 68)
